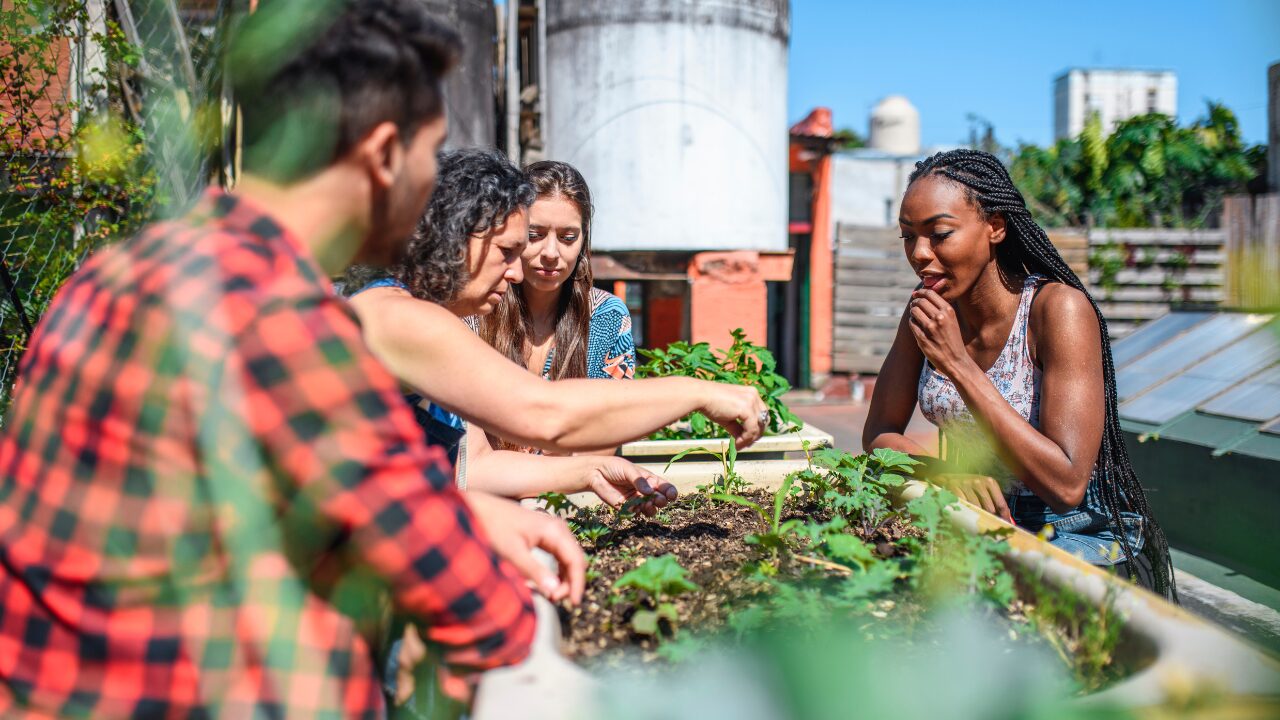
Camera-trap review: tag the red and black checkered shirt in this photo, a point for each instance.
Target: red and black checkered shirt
(205, 476)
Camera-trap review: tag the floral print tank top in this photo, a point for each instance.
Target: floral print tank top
(1017, 379)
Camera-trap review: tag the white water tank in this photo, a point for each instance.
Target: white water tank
(675, 112)
(895, 127)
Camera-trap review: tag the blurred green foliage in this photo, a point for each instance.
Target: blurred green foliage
(1149, 172)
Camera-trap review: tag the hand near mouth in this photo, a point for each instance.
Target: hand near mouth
(937, 332)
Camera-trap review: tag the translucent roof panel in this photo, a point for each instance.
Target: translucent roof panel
(1152, 334)
(1184, 351)
(1256, 399)
(1273, 428)
(1202, 381)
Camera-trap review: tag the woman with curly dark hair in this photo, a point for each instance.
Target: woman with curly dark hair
(463, 259)
(1004, 349)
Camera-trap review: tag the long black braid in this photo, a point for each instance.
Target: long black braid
(1027, 249)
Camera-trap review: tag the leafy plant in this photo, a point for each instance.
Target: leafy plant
(743, 363)
(657, 580)
(1083, 635)
(1149, 172)
(857, 488)
(1109, 259)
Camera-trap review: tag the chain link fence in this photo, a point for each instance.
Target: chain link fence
(112, 113)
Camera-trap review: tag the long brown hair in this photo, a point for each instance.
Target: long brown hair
(509, 327)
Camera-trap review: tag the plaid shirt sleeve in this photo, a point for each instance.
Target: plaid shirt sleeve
(333, 421)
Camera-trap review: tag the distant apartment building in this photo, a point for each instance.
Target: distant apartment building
(1115, 95)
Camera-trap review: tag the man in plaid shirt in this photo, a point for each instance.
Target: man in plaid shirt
(206, 480)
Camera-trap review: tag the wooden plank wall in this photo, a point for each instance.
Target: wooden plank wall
(873, 284)
(1252, 225)
(1161, 269)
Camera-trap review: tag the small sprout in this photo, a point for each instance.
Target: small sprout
(657, 580)
(556, 503)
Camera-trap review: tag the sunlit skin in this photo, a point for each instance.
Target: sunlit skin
(960, 319)
(555, 243)
(493, 266)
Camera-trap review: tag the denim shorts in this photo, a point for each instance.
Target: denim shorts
(1086, 532)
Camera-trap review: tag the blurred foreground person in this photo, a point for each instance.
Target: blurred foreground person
(206, 476)
(1004, 349)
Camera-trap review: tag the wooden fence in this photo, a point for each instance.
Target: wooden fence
(874, 283)
(1141, 274)
(1252, 226)
(1136, 275)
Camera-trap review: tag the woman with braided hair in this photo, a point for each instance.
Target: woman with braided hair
(1004, 349)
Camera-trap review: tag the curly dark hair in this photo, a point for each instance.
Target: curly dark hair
(476, 190)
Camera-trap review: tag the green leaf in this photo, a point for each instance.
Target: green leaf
(737, 500)
(780, 499)
(849, 548)
(894, 459)
(645, 622)
(687, 452)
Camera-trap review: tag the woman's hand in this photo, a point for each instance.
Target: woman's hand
(736, 408)
(981, 490)
(617, 480)
(937, 332)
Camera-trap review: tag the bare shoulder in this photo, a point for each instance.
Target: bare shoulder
(1063, 317)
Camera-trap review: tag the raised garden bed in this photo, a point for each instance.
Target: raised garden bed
(770, 447)
(1138, 649)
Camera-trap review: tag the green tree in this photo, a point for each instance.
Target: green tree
(849, 139)
(1148, 173)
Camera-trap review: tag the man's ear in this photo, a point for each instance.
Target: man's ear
(997, 225)
(381, 154)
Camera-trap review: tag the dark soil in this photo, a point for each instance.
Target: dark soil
(707, 538)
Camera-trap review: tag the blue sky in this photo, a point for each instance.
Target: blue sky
(997, 59)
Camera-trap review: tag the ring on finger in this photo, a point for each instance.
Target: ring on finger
(763, 417)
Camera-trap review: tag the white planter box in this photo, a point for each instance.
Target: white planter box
(769, 447)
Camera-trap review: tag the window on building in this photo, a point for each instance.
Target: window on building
(1151, 100)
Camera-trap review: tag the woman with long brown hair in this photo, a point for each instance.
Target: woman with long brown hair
(555, 323)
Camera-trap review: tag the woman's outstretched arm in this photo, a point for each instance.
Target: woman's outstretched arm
(432, 351)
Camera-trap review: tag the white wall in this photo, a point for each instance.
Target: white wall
(676, 116)
(867, 191)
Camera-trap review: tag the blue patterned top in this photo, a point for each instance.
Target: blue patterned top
(611, 351)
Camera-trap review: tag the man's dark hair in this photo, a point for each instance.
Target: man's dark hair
(476, 190)
(312, 77)
(1027, 249)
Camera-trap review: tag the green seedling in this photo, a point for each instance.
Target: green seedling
(776, 535)
(729, 481)
(556, 503)
(658, 581)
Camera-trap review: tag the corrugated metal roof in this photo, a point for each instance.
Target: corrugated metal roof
(1208, 378)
